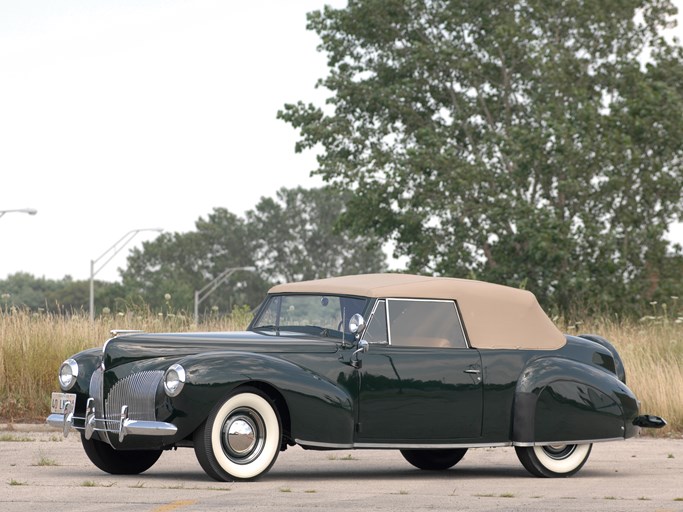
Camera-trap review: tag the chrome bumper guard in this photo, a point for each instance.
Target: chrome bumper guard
(649, 421)
(123, 427)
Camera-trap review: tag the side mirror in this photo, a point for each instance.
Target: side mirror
(362, 347)
(356, 323)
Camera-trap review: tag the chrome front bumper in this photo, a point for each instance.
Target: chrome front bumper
(123, 427)
(128, 409)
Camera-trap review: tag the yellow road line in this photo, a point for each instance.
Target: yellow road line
(174, 505)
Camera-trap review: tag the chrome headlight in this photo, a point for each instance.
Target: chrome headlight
(68, 373)
(174, 380)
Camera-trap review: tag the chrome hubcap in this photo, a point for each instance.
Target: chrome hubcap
(243, 436)
(559, 451)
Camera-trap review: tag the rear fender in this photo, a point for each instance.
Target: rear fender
(560, 400)
(618, 363)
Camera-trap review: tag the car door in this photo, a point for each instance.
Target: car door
(419, 381)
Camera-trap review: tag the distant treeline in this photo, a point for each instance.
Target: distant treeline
(307, 234)
(291, 237)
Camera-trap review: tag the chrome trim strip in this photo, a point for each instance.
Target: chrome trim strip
(340, 446)
(317, 444)
(431, 446)
(122, 332)
(583, 441)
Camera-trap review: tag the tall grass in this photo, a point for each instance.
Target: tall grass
(32, 346)
(652, 351)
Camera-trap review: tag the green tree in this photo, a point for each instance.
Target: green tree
(25, 290)
(521, 142)
(297, 237)
(69, 295)
(65, 295)
(289, 238)
(177, 264)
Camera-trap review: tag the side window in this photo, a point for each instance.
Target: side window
(425, 323)
(377, 328)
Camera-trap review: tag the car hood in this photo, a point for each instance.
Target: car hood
(136, 347)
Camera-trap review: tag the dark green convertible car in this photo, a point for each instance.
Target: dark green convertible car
(428, 366)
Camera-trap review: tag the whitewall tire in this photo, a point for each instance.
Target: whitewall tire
(241, 438)
(550, 461)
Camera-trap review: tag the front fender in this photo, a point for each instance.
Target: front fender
(88, 361)
(560, 400)
(318, 409)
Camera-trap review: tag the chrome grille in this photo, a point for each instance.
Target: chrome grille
(137, 391)
(96, 391)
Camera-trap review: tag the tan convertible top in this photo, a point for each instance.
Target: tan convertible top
(495, 316)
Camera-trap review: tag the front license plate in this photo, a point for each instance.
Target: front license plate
(59, 401)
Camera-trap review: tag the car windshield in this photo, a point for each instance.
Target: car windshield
(320, 315)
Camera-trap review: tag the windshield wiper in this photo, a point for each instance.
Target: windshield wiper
(266, 328)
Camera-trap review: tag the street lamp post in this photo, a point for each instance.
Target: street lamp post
(112, 251)
(200, 295)
(30, 211)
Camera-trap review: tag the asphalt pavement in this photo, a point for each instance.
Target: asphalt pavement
(41, 470)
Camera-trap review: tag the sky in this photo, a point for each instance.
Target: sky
(118, 116)
(125, 115)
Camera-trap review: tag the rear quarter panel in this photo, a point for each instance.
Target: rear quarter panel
(565, 396)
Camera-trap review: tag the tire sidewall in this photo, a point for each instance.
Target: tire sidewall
(565, 466)
(118, 462)
(255, 401)
(434, 460)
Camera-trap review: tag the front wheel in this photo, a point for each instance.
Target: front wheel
(555, 460)
(434, 460)
(240, 439)
(119, 462)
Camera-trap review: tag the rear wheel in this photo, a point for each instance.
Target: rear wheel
(119, 462)
(434, 460)
(240, 439)
(555, 460)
